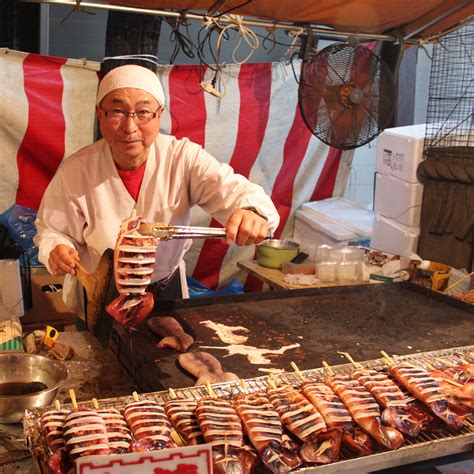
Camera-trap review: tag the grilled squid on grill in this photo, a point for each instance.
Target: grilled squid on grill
(365, 410)
(51, 426)
(265, 431)
(335, 415)
(118, 432)
(134, 259)
(172, 333)
(429, 391)
(149, 424)
(397, 412)
(182, 414)
(205, 367)
(222, 429)
(458, 386)
(300, 417)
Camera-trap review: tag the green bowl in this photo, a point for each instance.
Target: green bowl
(273, 253)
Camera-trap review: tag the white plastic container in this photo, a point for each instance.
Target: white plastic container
(333, 221)
(399, 200)
(395, 238)
(400, 151)
(345, 213)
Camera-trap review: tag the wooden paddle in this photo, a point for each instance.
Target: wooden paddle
(96, 285)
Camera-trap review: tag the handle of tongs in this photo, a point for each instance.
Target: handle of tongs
(167, 232)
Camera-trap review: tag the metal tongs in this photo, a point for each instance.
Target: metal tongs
(168, 232)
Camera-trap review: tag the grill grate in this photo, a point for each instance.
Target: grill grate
(448, 440)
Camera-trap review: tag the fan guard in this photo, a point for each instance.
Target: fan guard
(346, 95)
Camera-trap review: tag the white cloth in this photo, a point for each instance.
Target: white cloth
(131, 75)
(86, 201)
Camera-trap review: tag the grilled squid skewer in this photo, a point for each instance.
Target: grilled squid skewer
(118, 433)
(222, 429)
(336, 415)
(429, 391)
(300, 417)
(85, 433)
(397, 412)
(182, 414)
(149, 424)
(364, 410)
(265, 431)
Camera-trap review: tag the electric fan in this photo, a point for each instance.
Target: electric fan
(346, 95)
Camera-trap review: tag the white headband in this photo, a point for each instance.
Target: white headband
(134, 76)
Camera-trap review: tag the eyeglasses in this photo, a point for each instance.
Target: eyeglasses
(140, 116)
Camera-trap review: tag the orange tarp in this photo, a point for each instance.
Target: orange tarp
(364, 16)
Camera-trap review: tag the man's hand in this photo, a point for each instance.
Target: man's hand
(62, 260)
(245, 227)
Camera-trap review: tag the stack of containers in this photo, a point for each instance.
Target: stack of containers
(398, 193)
(333, 221)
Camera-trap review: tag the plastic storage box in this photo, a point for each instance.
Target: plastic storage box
(400, 151)
(333, 221)
(395, 238)
(399, 200)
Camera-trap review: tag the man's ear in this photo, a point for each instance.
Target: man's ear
(99, 112)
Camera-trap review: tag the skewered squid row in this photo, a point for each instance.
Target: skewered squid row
(52, 423)
(222, 429)
(365, 410)
(335, 415)
(429, 391)
(300, 417)
(118, 433)
(265, 431)
(397, 413)
(182, 414)
(149, 424)
(85, 434)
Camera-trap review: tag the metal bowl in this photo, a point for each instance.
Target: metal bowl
(22, 367)
(273, 253)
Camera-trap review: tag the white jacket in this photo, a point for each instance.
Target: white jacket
(86, 201)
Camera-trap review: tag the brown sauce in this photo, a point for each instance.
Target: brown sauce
(21, 388)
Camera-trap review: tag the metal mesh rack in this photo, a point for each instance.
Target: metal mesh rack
(450, 115)
(425, 446)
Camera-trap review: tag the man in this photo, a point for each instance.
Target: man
(136, 167)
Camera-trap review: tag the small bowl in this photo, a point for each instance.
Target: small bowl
(273, 253)
(22, 367)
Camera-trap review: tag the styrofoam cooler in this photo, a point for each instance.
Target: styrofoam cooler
(400, 151)
(398, 200)
(395, 238)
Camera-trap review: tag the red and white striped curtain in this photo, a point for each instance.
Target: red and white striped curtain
(47, 113)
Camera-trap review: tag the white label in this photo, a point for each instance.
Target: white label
(395, 161)
(184, 460)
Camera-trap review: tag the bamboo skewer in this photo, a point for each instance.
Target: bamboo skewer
(457, 282)
(244, 386)
(352, 361)
(387, 358)
(57, 405)
(272, 383)
(95, 403)
(328, 368)
(298, 372)
(172, 393)
(210, 390)
(135, 396)
(73, 399)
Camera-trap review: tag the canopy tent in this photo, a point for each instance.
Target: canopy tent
(414, 19)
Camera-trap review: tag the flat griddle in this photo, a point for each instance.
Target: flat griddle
(362, 320)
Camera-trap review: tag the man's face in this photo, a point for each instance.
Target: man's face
(128, 138)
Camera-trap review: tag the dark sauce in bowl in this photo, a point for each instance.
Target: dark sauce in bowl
(11, 389)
